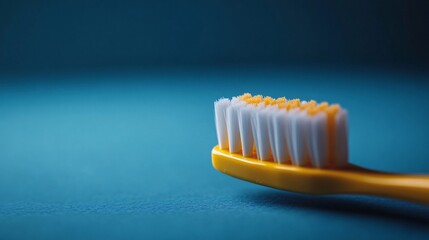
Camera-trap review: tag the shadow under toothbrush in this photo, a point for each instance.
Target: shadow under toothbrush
(386, 209)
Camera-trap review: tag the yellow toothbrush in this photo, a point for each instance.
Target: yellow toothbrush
(301, 147)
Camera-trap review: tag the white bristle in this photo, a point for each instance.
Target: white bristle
(221, 130)
(272, 132)
(232, 125)
(297, 126)
(317, 143)
(260, 131)
(341, 149)
(278, 133)
(245, 126)
(283, 133)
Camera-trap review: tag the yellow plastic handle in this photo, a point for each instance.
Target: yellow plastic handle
(349, 180)
(414, 188)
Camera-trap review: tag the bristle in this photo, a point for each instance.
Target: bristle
(341, 153)
(245, 96)
(318, 140)
(260, 130)
(278, 134)
(220, 111)
(284, 131)
(245, 126)
(272, 131)
(232, 125)
(297, 137)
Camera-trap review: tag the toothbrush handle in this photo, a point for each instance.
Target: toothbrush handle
(412, 188)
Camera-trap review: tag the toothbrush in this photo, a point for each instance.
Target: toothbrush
(299, 146)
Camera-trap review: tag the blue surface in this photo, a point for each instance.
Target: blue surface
(103, 156)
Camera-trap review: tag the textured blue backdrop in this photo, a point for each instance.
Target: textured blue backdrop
(106, 156)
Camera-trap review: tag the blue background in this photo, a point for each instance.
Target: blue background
(126, 158)
(106, 114)
(78, 35)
